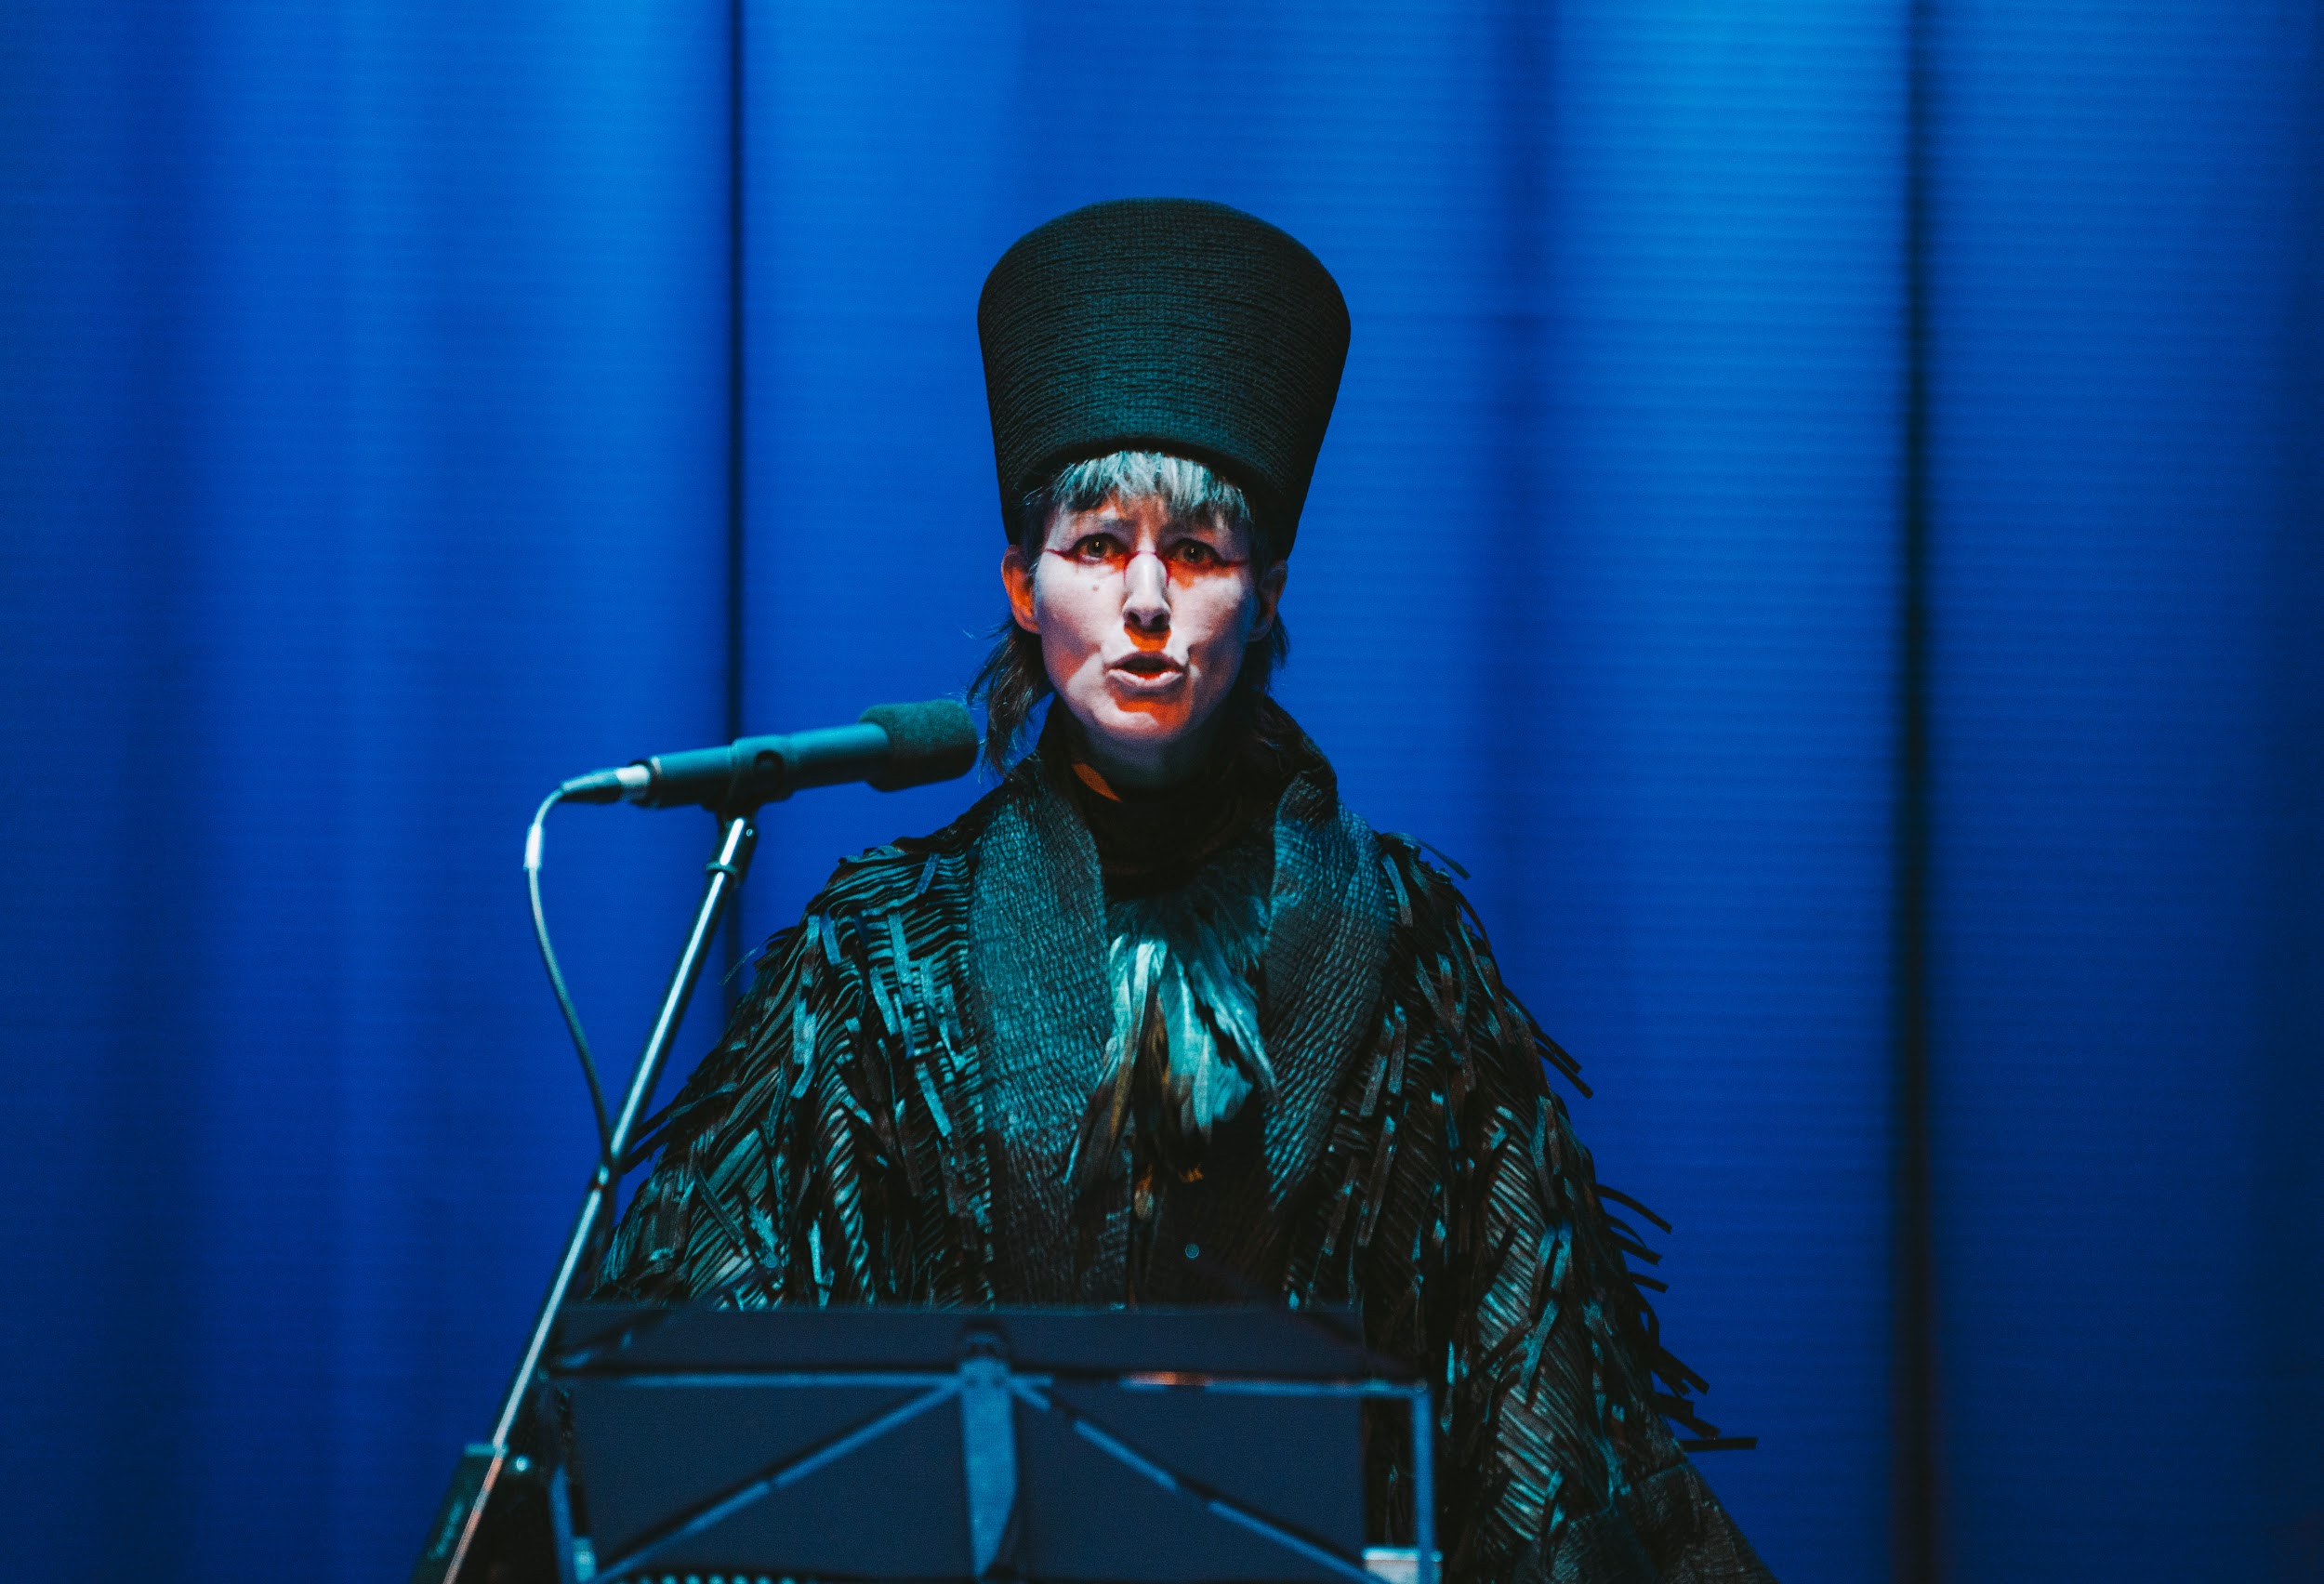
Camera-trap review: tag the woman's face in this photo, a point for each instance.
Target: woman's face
(1142, 620)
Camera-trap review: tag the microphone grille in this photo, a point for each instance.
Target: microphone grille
(926, 742)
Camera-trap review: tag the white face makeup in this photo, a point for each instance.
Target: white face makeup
(1143, 620)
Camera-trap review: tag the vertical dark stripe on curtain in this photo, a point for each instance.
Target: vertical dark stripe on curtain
(1513, 735)
(737, 434)
(738, 330)
(1912, 1362)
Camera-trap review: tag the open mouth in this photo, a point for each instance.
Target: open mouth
(1148, 669)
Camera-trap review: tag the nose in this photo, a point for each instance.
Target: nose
(1146, 593)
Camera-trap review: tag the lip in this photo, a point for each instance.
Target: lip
(1146, 672)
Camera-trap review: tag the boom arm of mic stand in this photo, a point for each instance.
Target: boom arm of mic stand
(451, 1542)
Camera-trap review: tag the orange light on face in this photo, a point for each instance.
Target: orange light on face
(1189, 562)
(1143, 620)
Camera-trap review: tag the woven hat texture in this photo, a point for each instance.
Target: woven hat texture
(1168, 324)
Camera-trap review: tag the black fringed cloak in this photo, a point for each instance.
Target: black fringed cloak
(891, 1115)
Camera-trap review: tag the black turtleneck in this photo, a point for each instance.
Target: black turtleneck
(1154, 841)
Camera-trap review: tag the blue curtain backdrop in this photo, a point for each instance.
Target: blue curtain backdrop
(1824, 519)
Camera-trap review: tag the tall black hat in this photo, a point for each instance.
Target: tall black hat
(1163, 324)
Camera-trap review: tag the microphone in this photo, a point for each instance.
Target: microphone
(891, 745)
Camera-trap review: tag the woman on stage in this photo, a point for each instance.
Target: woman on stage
(1161, 1018)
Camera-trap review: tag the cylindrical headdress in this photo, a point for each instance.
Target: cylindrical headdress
(1163, 324)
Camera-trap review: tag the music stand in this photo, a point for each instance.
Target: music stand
(1146, 1446)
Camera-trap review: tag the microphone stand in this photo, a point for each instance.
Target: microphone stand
(484, 1466)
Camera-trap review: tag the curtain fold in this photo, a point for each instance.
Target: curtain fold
(363, 414)
(364, 477)
(2127, 904)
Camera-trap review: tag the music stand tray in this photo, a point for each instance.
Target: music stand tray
(1145, 1447)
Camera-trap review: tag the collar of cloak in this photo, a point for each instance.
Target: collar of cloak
(1037, 944)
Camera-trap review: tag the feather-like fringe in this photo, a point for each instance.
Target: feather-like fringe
(840, 1109)
(1479, 1240)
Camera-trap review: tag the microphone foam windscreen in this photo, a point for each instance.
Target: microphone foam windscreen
(926, 742)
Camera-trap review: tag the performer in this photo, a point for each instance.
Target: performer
(1159, 1019)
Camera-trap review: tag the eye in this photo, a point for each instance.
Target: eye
(1194, 552)
(1096, 548)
